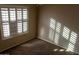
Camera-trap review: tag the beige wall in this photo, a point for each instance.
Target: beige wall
(5, 44)
(67, 15)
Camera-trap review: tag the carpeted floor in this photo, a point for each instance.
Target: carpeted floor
(37, 47)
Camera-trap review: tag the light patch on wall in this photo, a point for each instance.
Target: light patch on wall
(55, 33)
(73, 37)
(61, 50)
(66, 32)
(72, 41)
(70, 47)
(56, 40)
(58, 27)
(51, 34)
(42, 31)
(55, 50)
(52, 23)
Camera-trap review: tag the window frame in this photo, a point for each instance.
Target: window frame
(17, 34)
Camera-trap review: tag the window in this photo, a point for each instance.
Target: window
(22, 22)
(66, 32)
(19, 20)
(6, 30)
(12, 14)
(14, 21)
(5, 22)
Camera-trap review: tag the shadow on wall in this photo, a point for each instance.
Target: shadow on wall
(57, 31)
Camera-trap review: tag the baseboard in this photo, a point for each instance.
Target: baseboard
(49, 41)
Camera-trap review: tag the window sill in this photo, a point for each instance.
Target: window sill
(16, 35)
